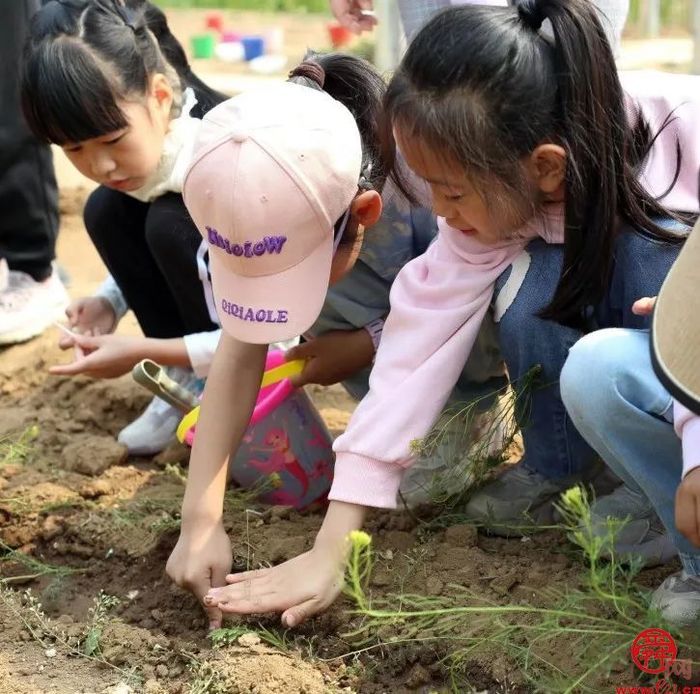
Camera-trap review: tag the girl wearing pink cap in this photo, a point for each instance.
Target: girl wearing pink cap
(562, 199)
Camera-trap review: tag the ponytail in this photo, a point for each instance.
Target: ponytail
(603, 161)
(360, 88)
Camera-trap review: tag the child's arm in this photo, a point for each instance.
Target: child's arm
(202, 556)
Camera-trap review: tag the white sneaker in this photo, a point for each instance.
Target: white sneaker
(28, 307)
(155, 428)
(678, 599)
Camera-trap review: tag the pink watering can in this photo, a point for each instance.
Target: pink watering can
(286, 450)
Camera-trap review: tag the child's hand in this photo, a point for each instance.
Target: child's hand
(102, 356)
(200, 561)
(644, 307)
(333, 357)
(298, 589)
(91, 315)
(688, 507)
(349, 14)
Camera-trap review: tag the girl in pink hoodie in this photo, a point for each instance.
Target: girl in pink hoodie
(554, 188)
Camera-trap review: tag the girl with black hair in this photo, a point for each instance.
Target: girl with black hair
(108, 82)
(553, 195)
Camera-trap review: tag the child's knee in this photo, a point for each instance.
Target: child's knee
(598, 372)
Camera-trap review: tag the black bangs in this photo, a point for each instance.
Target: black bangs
(66, 96)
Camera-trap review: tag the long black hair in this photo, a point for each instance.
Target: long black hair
(83, 56)
(485, 86)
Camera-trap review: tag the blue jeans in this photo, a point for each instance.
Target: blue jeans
(622, 410)
(553, 447)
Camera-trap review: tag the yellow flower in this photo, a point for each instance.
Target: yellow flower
(359, 538)
(573, 497)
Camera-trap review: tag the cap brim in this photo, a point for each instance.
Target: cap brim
(272, 308)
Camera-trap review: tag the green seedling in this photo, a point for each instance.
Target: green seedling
(597, 620)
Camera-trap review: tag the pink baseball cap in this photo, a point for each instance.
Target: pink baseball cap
(272, 172)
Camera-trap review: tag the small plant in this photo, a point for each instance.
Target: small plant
(34, 566)
(103, 604)
(597, 620)
(206, 679)
(15, 450)
(473, 438)
(228, 636)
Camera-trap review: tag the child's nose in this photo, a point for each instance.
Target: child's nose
(102, 165)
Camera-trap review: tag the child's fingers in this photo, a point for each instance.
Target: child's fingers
(303, 351)
(294, 616)
(644, 306)
(247, 597)
(72, 314)
(73, 369)
(245, 576)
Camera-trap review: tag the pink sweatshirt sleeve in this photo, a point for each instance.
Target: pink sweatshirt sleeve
(687, 426)
(438, 302)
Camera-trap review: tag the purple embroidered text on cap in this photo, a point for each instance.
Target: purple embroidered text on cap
(261, 315)
(248, 249)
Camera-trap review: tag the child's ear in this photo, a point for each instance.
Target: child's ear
(162, 92)
(547, 165)
(366, 208)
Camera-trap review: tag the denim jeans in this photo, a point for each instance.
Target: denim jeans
(622, 410)
(553, 447)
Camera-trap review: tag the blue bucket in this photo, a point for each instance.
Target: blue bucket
(253, 46)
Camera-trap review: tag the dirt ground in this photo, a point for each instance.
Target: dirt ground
(103, 525)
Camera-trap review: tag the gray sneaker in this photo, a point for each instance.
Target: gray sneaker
(678, 599)
(516, 501)
(641, 533)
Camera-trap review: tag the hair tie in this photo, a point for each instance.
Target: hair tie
(531, 13)
(311, 70)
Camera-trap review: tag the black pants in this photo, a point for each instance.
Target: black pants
(151, 251)
(28, 195)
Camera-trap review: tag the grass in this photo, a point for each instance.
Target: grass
(228, 636)
(572, 645)
(471, 439)
(34, 566)
(15, 449)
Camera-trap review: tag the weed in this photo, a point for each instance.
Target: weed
(229, 636)
(36, 567)
(15, 450)
(471, 439)
(98, 618)
(206, 679)
(589, 627)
